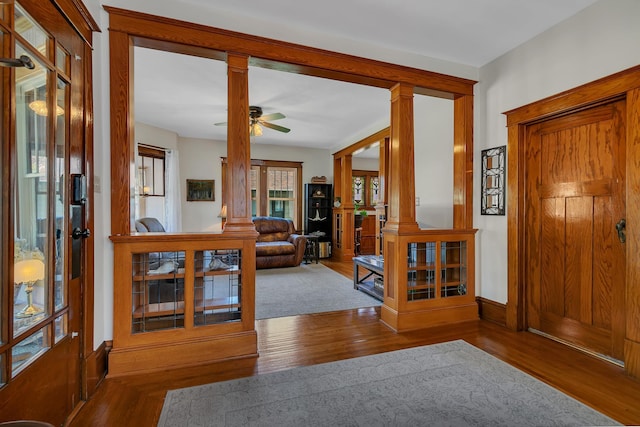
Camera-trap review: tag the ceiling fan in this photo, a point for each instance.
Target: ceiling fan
(257, 121)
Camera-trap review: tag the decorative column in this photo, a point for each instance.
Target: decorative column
(238, 181)
(401, 215)
(463, 162)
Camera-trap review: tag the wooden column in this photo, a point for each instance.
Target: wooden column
(238, 150)
(463, 162)
(122, 146)
(342, 171)
(401, 215)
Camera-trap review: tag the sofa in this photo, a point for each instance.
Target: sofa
(278, 245)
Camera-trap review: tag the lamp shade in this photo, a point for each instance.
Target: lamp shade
(255, 129)
(40, 108)
(223, 212)
(28, 270)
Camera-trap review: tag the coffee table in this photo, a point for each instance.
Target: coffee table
(372, 283)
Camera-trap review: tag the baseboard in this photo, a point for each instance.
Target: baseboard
(492, 311)
(96, 367)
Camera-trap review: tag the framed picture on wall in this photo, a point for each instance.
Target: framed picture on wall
(493, 181)
(200, 190)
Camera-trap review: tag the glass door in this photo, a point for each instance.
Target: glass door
(41, 317)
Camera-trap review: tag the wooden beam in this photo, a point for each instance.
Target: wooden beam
(285, 56)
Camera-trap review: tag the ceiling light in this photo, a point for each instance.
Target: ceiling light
(255, 129)
(40, 108)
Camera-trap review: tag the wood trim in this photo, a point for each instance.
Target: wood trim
(579, 97)
(122, 145)
(285, 56)
(79, 17)
(96, 367)
(88, 285)
(626, 85)
(492, 311)
(632, 343)
(463, 162)
(364, 143)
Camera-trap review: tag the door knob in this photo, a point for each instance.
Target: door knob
(621, 227)
(77, 233)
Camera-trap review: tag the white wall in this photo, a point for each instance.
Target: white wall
(433, 159)
(156, 137)
(599, 41)
(200, 159)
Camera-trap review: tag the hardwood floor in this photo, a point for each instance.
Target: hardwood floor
(290, 342)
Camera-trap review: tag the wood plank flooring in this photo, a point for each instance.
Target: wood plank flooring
(290, 342)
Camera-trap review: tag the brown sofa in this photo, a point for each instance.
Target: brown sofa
(278, 245)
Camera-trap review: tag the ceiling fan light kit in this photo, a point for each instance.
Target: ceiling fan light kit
(257, 121)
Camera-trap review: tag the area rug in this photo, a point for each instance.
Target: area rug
(309, 288)
(449, 384)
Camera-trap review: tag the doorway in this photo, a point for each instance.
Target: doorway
(575, 202)
(548, 217)
(45, 222)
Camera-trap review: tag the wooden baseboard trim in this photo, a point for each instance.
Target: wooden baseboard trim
(96, 367)
(156, 357)
(492, 311)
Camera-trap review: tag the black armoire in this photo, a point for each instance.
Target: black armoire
(318, 205)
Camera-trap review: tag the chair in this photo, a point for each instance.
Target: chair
(278, 245)
(149, 224)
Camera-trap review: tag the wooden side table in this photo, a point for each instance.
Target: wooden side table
(312, 250)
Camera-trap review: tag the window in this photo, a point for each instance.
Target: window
(365, 187)
(151, 167)
(276, 189)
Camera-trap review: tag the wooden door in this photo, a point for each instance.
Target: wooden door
(41, 319)
(575, 189)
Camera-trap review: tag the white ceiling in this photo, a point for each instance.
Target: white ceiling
(187, 95)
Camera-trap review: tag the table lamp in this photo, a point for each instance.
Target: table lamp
(28, 271)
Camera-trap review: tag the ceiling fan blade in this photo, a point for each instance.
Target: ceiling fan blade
(275, 127)
(220, 124)
(273, 116)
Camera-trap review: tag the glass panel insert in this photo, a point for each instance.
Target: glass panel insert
(255, 190)
(358, 187)
(453, 269)
(28, 350)
(374, 190)
(3, 361)
(61, 327)
(32, 197)
(60, 291)
(30, 31)
(62, 60)
(217, 289)
(157, 291)
(421, 275)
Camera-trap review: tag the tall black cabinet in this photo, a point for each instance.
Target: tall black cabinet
(317, 219)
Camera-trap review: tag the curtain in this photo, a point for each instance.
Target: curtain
(173, 199)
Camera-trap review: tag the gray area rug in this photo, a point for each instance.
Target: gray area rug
(449, 384)
(309, 288)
